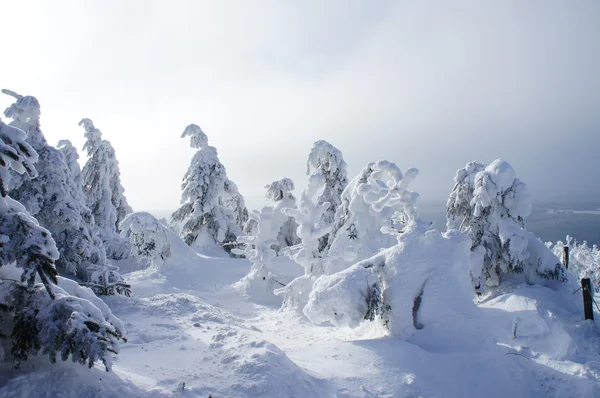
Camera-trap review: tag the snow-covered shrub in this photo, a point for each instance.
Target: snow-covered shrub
(262, 279)
(207, 198)
(103, 190)
(311, 228)
(375, 206)
(584, 261)
(54, 196)
(490, 204)
(417, 284)
(327, 163)
(284, 227)
(44, 317)
(149, 238)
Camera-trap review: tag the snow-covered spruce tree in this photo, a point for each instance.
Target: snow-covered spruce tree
(71, 159)
(206, 211)
(284, 227)
(149, 238)
(490, 204)
(262, 279)
(327, 162)
(367, 215)
(53, 197)
(103, 190)
(68, 321)
(311, 228)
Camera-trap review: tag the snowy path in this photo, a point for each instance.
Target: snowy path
(217, 343)
(195, 329)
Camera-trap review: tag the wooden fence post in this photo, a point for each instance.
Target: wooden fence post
(565, 258)
(586, 288)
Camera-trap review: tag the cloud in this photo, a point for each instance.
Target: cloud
(422, 84)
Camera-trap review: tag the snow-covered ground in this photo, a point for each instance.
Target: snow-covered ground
(190, 334)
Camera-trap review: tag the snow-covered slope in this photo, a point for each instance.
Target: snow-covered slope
(190, 334)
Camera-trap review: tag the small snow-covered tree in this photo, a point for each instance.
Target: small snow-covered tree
(311, 228)
(103, 190)
(376, 202)
(327, 162)
(490, 204)
(54, 196)
(43, 316)
(262, 279)
(284, 227)
(149, 238)
(207, 198)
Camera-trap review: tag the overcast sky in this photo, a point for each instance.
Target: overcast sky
(426, 84)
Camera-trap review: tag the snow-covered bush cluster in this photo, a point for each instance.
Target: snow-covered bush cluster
(149, 238)
(262, 279)
(584, 261)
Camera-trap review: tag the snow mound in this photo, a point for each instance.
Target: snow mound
(258, 368)
(417, 284)
(42, 380)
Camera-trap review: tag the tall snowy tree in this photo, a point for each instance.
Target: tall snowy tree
(212, 210)
(102, 180)
(490, 204)
(284, 227)
(53, 197)
(309, 215)
(376, 202)
(43, 316)
(327, 162)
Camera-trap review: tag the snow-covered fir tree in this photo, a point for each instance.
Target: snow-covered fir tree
(376, 202)
(490, 203)
(262, 279)
(148, 236)
(103, 190)
(54, 197)
(312, 226)
(284, 226)
(71, 157)
(327, 162)
(212, 209)
(66, 321)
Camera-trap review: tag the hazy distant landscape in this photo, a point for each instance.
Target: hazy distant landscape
(549, 221)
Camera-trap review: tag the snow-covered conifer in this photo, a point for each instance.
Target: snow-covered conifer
(376, 202)
(490, 204)
(212, 208)
(102, 181)
(262, 279)
(309, 215)
(149, 238)
(44, 317)
(53, 197)
(327, 162)
(71, 159)
(284, 226)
